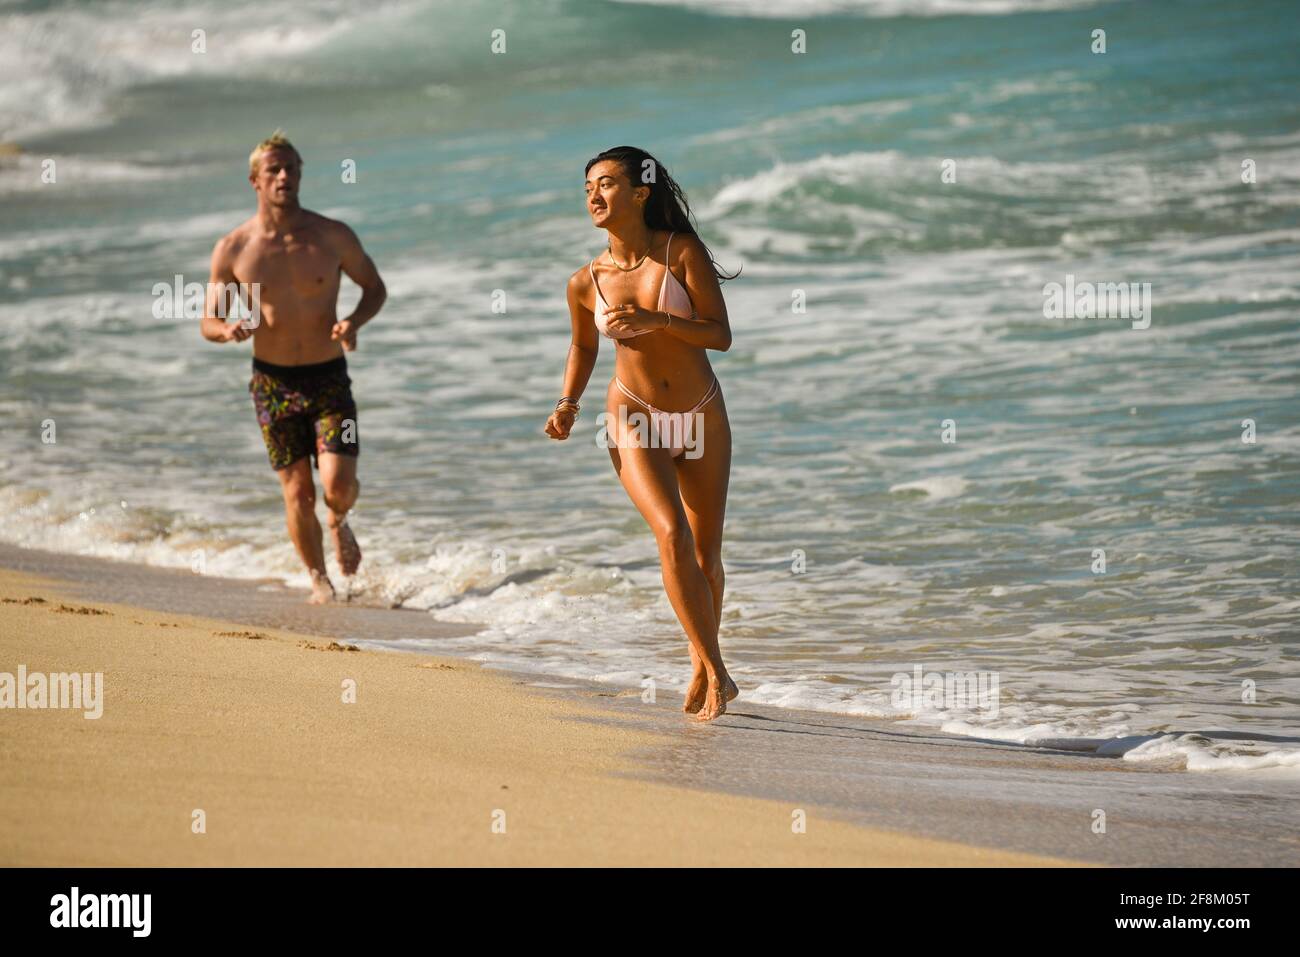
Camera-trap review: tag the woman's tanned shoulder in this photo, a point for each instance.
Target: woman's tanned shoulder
(688, 248)
(580, 281)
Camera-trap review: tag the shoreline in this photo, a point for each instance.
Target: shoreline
(436, 761)
(870, 776)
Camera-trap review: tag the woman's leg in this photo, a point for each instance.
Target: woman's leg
(703, 485)
(650, 479)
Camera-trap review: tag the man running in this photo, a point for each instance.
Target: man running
(300, 383)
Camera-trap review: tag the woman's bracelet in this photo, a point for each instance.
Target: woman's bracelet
(568, 402)
(668, 320)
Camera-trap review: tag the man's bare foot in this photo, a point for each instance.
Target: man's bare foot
(322, 592)
(345, 545)
(715, 700)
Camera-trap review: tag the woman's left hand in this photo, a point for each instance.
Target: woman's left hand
(628, 320)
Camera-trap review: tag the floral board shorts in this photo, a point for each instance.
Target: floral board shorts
(305, 410)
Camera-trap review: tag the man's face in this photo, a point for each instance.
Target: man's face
(277, 176)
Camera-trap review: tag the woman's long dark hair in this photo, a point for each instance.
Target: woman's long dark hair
(667, 207)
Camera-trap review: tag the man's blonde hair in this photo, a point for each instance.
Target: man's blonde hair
(276, 141)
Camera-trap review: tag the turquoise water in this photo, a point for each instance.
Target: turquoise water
(818, 172)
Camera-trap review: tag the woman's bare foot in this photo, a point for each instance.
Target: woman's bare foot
(345, 545)
(715, 699)
(322, 592)
(695, 690)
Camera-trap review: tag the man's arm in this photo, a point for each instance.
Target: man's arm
(221, 277)
(360, 268)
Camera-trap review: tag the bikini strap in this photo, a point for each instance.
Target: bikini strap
(591, 268)
(664, 282)
(713, 390)
(624, 389)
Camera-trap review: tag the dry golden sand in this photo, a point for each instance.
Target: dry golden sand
(250, 727)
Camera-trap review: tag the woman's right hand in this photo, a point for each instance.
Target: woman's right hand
(560, 423)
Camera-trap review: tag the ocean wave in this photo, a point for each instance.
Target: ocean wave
(22, 172)
(794, 9)
(888, 201)
(935, 489)
(59, 68)
(1203, 752)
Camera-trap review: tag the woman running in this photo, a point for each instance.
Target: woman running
(666, 421)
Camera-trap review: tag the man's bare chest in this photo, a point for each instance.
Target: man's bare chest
(302, 268)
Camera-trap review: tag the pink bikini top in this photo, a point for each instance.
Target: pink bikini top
(673, 297)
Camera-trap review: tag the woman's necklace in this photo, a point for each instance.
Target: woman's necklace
(626, 268)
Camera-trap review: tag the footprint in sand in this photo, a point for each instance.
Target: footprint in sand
(80, 610)
(332, 646)
(62, 609)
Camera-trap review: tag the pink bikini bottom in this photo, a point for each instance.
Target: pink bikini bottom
(675, 425)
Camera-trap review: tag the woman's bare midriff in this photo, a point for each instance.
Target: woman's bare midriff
(668, 374)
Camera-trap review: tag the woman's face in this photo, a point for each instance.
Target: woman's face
(611, 198)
